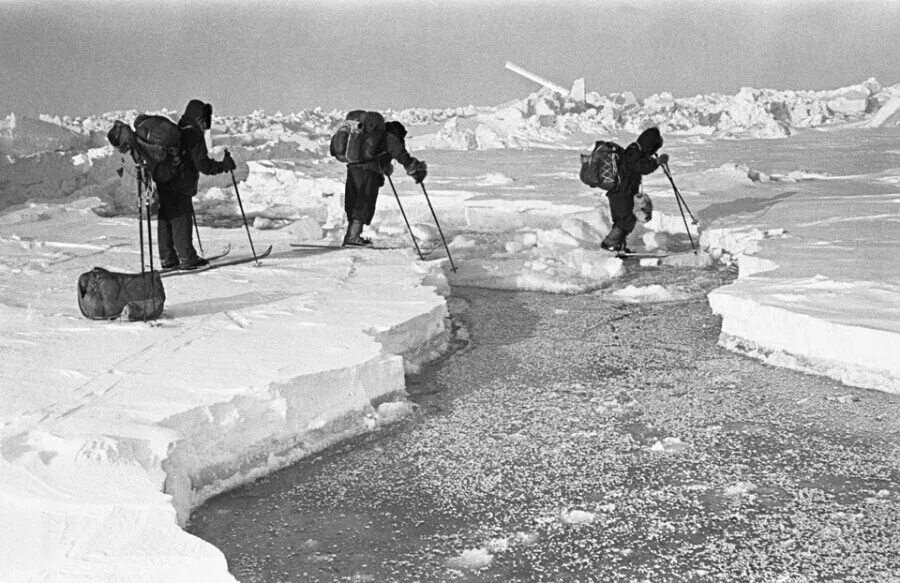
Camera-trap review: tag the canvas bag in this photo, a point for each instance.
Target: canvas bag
(359, 137)
(159, 146)
(600, 168)
(107, 295)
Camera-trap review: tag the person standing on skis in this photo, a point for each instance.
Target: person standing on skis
(638, 159)
(364, 179)
(176, 208)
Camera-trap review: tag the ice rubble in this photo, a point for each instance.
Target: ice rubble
(50, 152)
(548, 119)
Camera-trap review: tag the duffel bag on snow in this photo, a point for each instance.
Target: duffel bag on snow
(159, 145)
(600, 168)
(359, 137)
(106, 295)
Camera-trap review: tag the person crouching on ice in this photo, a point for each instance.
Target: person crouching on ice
(176, 207)
(366, 178)
(638, 159)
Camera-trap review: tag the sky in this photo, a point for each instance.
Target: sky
(79, 58)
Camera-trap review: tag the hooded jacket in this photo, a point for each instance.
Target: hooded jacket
(639, 159)
(393, 147)
(193, 146)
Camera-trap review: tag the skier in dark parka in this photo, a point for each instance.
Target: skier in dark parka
(638, 159)
(176, 207)
(365, 178)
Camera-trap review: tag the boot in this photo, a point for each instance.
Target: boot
(198, 263)
(615, 240)
(354, 238)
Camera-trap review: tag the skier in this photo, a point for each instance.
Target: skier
(176, 208)
(365, 178)
(638, 159)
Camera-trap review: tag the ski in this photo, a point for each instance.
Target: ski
(642, 255)
(339, 246)
(663, 255)
(225, 251)
(217, 264)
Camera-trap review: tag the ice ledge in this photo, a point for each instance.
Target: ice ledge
(792, 323)
(115, 431)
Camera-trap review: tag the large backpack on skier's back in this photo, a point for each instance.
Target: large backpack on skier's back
(159, 145)
(600, 168)
(359, 137)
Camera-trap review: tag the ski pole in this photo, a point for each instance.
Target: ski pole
(680, 201)
(140, 201)
(149, 226)
(683, 218)
(241, 205)
(197, 229)
(425, 192)
(665, 168)
(405, 220)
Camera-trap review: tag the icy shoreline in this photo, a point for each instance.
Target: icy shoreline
(112, 432)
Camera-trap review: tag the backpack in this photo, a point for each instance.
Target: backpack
(106, 295)
(359, 137)
(600, 168)
(159, 146)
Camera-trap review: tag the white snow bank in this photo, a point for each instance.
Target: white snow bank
(111, 432)
(21, 136)
(793, 323)
(821, 295)
(650, 293)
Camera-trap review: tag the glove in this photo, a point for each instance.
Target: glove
(228, 162)
(663, 159)
(418, 170)
(387, 170)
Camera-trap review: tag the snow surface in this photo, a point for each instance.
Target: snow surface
(112, 432)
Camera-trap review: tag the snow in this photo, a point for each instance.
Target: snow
(111, 432)
(650, 293)
(471, 559)
(820, 293)
(577, 517)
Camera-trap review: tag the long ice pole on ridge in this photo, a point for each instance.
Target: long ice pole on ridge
(537, 79)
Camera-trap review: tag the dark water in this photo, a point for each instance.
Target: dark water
(579, 439)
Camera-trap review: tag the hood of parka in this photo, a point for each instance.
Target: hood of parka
(650, 141)
(196, 111)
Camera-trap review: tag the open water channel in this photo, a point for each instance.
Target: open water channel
(579, 438)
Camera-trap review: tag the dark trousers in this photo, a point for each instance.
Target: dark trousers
(621, 207)
(361, 194)
(175, 224)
